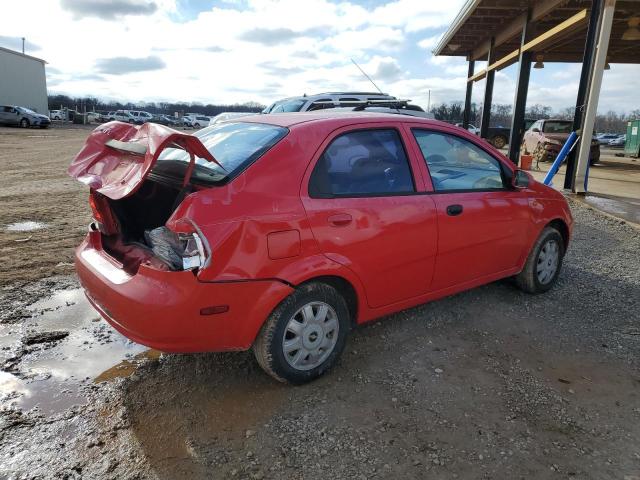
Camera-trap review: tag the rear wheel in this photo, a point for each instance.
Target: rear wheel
(543, 265)
(499, 141)
(304, 336)
(24, 123)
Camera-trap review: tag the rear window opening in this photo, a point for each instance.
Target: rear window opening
(235, 146)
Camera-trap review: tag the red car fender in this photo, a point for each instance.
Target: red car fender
(311, 267)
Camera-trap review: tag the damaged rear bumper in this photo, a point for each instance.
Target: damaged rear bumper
(164, 309)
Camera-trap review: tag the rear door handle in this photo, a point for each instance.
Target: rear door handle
(340, 219)
(453, 210)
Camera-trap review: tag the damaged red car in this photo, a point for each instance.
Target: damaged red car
(281, 233)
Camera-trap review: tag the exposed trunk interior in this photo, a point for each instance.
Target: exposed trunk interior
(148, 208)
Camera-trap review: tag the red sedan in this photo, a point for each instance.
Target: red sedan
(282, 232)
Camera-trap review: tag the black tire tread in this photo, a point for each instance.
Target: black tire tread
(526, 279)
(264, 341)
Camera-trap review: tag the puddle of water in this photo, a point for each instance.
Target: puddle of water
(627, 209)
(28, 226)
(50, 376)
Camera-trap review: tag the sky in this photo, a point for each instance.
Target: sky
(235, 51)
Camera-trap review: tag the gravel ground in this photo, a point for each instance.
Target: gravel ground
(490, 383)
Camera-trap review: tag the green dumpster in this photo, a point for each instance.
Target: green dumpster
(632, 144)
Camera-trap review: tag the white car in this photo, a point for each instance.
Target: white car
(472, 128)
(57, 115)
(224, 116)
(124, 116)
(200, 121)
(141, 117)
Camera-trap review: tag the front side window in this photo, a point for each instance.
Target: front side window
(457, 164)
(362, 163)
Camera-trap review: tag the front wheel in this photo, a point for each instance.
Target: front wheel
(24, 123)
(543, 265)
(304, 336)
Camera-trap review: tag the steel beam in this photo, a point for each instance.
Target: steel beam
(540, 9)
(599, 61)
(587, 60)
(488, 95)
(520, 97)
(466, 116)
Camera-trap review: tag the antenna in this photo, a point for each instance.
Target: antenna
(368, 77)
(374, 83)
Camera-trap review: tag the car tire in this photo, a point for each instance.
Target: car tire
(24, 123)
(544, 263)
(305, 335)
(499, 141)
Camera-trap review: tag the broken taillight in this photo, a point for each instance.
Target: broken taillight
(186, 250)
(102, 214)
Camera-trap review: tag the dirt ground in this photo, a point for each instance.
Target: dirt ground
(35, 188)
(488, 384)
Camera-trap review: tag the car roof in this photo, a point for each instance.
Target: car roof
(337, 118)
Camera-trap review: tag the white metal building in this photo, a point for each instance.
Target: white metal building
(23, 81)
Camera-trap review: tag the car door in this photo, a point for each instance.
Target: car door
(482, 221)
(366, 213)
(4, 114)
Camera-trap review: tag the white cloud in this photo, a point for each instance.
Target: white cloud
(429, 42)
(266, 50)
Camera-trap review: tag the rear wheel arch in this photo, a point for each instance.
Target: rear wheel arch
(344, 288)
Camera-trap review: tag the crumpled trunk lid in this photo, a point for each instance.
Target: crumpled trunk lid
(117, 156)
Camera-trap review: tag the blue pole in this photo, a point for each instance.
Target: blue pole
(566, 148)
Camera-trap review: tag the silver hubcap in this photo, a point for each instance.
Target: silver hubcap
(310, 336)
(548, 261)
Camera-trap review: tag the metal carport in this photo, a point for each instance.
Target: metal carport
(504, 32)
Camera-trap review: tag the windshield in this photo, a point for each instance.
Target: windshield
(288, 106)
(558, 127)
(234, 145)
(24, 110)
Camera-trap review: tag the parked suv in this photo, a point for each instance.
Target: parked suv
(124, 116)
(24, 117)
(545, 138)
(321, 101)
(282, 232)
(140, 117)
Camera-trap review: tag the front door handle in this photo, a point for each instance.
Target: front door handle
(453, 210)
(340, 219)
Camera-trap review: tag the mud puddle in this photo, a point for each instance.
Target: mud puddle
(28, 226)
(50, 358)
(627, 208)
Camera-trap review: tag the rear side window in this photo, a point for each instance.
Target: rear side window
(457, 164)
(350, 102)
(288, 106)
(362, 163)
(321, 104)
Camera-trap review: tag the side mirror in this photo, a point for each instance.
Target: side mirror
(536, 129)
(520, 179)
